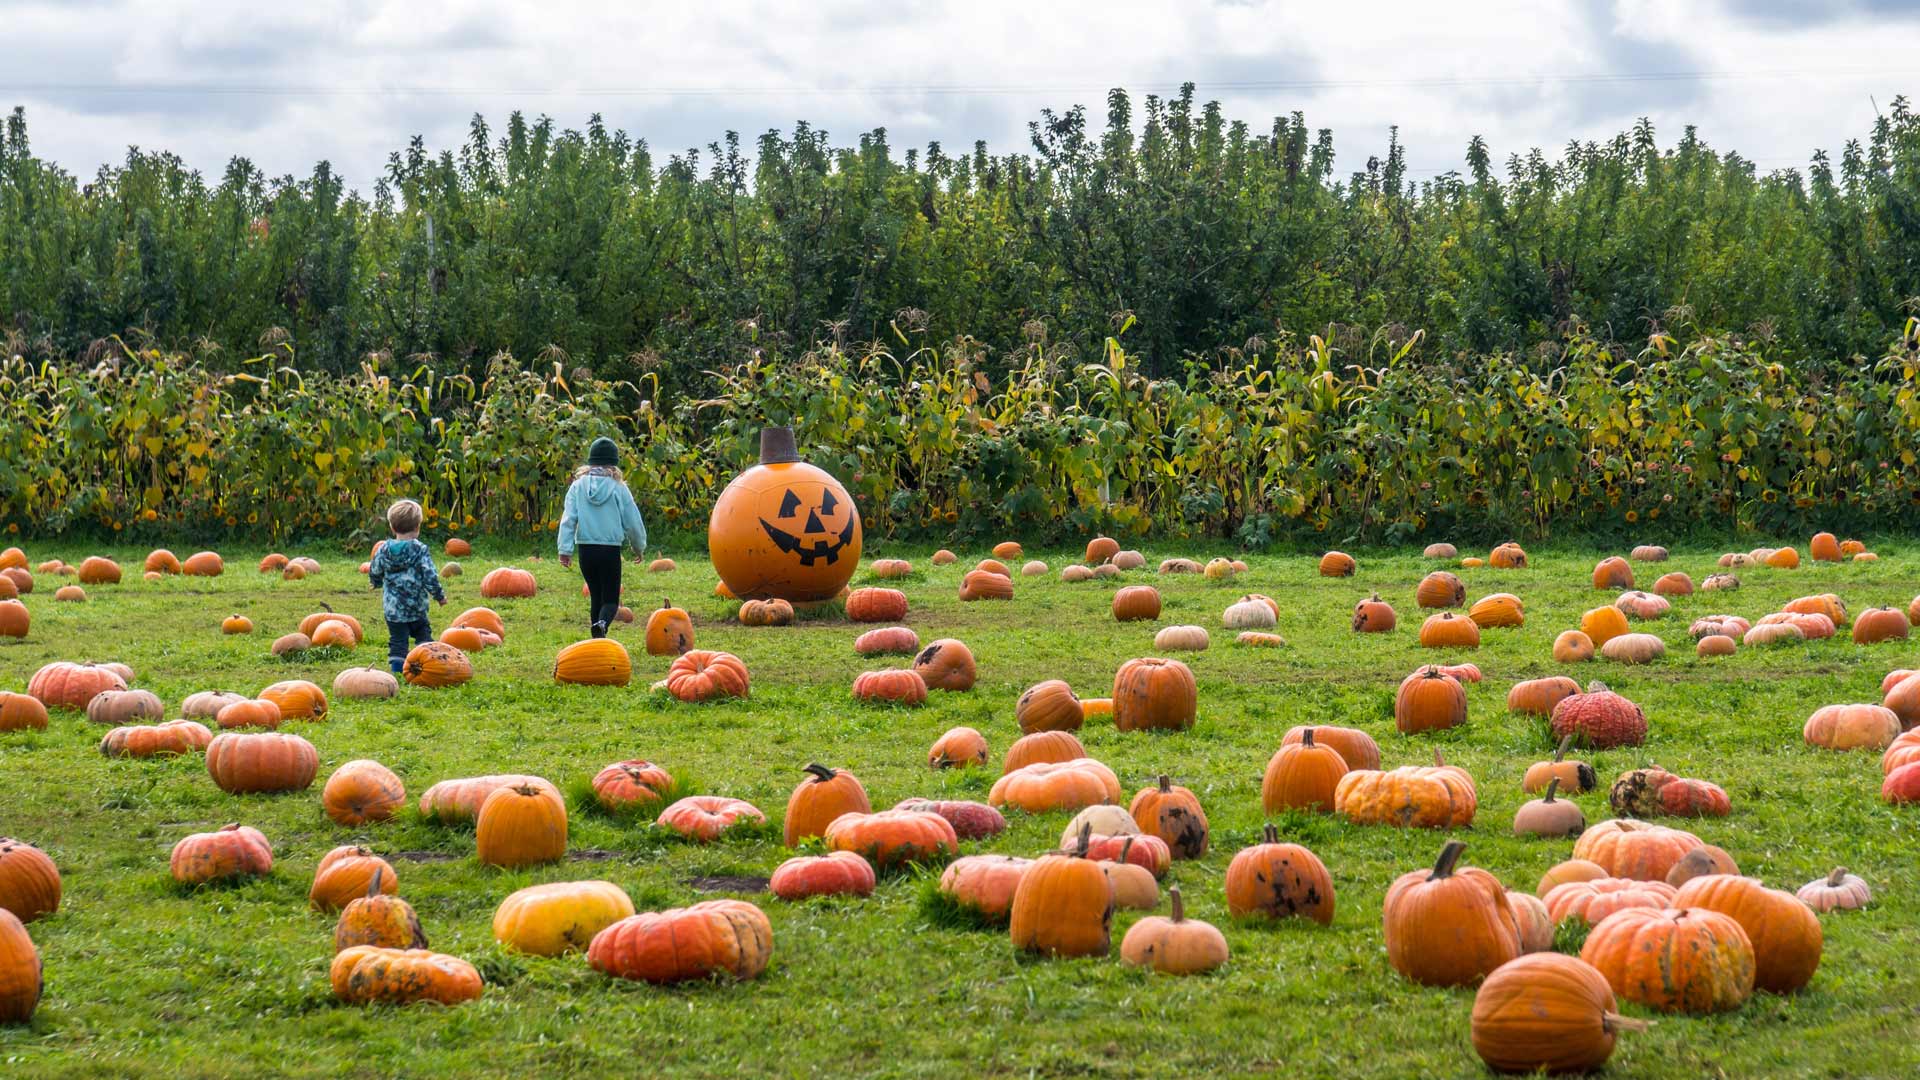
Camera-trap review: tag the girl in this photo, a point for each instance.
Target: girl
(600, 515)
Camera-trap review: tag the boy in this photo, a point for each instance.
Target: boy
(404, 573)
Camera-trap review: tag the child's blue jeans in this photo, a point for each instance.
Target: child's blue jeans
(397, 635)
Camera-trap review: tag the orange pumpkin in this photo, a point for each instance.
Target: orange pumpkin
(824, 795)
(460, 800)
(1546, 1013)
(1042, 747)
(1537, 697)
(1446, 630)
(893, 838)
(1634, 849)
(298, 699)
(946, 664)
(1451, 925)
(1356, 747)
(1136, 602)
(21, 712)
(257, 713)
(203, 564)
(699, 675)
(346, 874)
(1508, 556)
(29, 881)
(838, 873)
(1172, 813)
(1880, 624)
(1063, 906)
(1613, 572)
(362, 791)
(774, 612)
(521, 825)
(507, 583)
(1066, 785)
(1594, 900)
(1440, 589)
(230, 851)
(156, 740)
(729, 938)
(1783, 930)
(1429, 700)
(1336, 564)
(1675, 960)
(362, 974)
(958, 747)
(626, 784)
(1048, 706)
(593, 662)
(1372, 616)
(482, 618)
(1497, 611)
(1154, 694)
(1279, 881)
(1302, 776)
(1602, 624)
(703, 818)
(876, 605)
(986, 585)
(887, 640)
(436, 664)
(244, 764)
(901, 686)
(1413, 796)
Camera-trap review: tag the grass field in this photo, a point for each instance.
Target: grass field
(145, 979)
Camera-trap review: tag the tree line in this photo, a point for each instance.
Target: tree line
(1201, 233)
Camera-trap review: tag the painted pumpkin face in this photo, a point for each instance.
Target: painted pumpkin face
(786, 530)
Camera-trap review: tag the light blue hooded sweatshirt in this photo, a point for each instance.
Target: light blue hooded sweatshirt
(600, 510)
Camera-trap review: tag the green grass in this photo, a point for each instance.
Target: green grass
(144, 979)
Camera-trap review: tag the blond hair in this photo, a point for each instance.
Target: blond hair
(600, 470)
(403, 518)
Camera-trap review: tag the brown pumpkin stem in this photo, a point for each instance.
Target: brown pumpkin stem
(1565, 745)
(1838, 875)
(666, 602)
(1374, 599)
(1166, 784)
(326, 607)
(1270, 835)
(1306, 737)
(1449, 856)
(1086, 837)
(1126, 848)
(1179, 906)
(1438, 761)
(1615, 1023)
(1553, 785)
(821, 773)
(373, 884)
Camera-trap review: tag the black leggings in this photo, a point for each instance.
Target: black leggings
(600, 565)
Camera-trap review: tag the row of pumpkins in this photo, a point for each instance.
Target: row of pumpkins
(1061, 885)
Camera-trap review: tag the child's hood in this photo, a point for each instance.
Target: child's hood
(599, 490)
(405, 554)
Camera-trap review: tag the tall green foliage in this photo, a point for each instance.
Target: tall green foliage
(1208, 232)
(1294, 441)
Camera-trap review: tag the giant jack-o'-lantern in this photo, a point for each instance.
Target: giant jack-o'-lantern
(784, 528)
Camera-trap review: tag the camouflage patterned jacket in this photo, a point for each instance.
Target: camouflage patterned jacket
(403, 571)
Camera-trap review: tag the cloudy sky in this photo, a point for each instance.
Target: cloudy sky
(290, 84)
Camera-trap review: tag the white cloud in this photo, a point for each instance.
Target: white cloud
(352, 82)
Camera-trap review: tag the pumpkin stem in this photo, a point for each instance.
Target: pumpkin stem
(1449, 855)
(1306, 737)
(1179, 906)
(1438, 761)
(1086, 837)
(1553, 785)
(1839, 875)
(1166, 784)
(666, 602)
(1126, 848)
(821, 773)
(326, 607)
(373, 885)
(1614, 1023)
(1270, 835)
(1565, 745)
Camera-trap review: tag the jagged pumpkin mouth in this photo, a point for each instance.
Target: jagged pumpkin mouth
(810, 551)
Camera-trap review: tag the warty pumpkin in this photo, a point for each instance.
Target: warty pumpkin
(1451, 925)
(970, 820)
(363, 974)
(1785, 933)
(378, 917)
(1279, 881)
(1685, 960)
(1599, 718)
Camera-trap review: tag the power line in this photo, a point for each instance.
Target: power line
(1442, 82)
